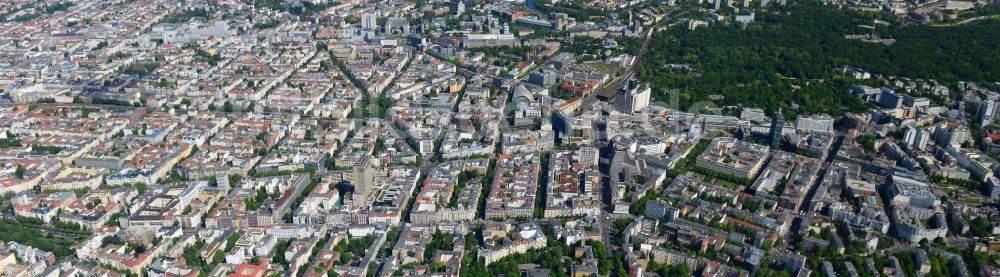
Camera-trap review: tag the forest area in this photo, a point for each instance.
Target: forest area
(787, 57)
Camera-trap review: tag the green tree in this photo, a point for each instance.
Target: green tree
(19, 172)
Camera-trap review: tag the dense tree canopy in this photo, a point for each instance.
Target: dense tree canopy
(788, 56)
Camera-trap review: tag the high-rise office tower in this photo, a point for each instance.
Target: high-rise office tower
(986, 111)
(369, 21)
(364, 178)
(632, 97)
(910, 137)
(589, 156)
(777, 125)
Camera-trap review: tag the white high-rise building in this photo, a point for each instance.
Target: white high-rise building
(589, 156)
(916, 138)
(921, 141)
(910, 137)
(369, 21)
(632, 97)
(364, 179)
(986, 111)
